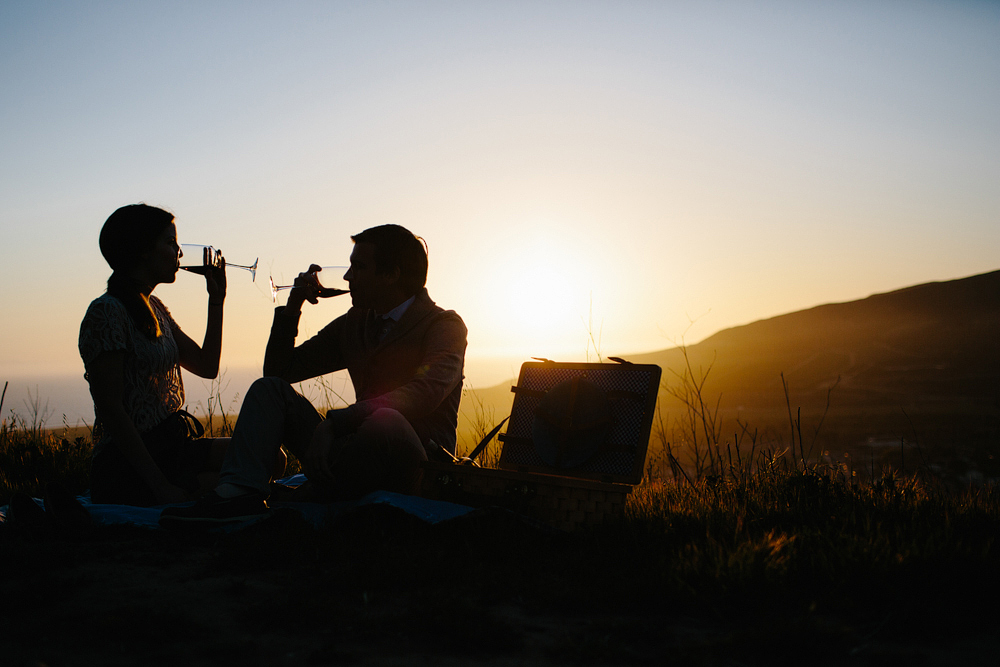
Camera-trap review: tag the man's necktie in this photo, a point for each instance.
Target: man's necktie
(383, 329)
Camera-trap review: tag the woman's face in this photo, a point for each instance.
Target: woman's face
(159, 264)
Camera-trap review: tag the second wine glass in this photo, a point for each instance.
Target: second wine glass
(335, 283)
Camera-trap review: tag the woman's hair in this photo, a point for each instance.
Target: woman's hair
(397, 247)
(127, 234)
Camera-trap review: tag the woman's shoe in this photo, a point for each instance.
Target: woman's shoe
(65, 512)
(24, 513)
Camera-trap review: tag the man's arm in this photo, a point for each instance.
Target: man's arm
(319, 355)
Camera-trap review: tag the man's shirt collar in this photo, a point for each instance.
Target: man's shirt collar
(396, 313)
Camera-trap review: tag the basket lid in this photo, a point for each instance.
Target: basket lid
(553, 431)
(571, 422)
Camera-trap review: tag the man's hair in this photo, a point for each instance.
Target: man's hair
(397, 247)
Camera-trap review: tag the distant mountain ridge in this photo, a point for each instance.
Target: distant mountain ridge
(930, 351)
(935, 340)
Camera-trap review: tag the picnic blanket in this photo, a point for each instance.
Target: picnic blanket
(430, 511)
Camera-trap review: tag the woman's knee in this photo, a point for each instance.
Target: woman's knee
(217, 452)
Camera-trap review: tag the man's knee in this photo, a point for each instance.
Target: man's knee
(274, 393)
(386, 453)
(269, 385)
(390, 421)
(389, 426)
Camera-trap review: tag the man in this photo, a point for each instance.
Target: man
(405, 356)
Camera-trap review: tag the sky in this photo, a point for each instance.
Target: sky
(591, 178)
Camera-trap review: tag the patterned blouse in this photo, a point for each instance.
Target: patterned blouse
(153, 389)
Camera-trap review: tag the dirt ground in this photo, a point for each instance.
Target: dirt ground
(379, 588)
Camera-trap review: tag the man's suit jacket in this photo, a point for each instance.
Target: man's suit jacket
(417, 369)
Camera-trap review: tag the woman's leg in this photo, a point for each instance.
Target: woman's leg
(217, 452)
(114, 481)
(204, 459)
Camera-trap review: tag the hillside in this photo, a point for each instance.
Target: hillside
(937, 341)
(920, 363)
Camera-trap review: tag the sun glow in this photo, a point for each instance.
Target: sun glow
(539, 304)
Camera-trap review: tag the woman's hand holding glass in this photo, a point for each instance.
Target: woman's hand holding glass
(210, 258)
(215, 282)
(209, 262)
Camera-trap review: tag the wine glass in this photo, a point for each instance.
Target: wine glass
(335, 283)
(210, 259)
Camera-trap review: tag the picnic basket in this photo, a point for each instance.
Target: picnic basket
(574, 447)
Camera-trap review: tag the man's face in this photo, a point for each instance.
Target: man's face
(369, 288)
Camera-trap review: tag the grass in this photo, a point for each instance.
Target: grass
(782, 553)
(31, 455)
(812, 539)
(786, 561)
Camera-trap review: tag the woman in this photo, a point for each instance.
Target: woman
(148, 451)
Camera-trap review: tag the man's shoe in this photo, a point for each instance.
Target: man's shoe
(216, 510)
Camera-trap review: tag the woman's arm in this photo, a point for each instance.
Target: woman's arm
(203, 360)
(106, 374)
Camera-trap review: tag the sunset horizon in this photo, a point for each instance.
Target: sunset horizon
(645, 332)
(588, 178)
